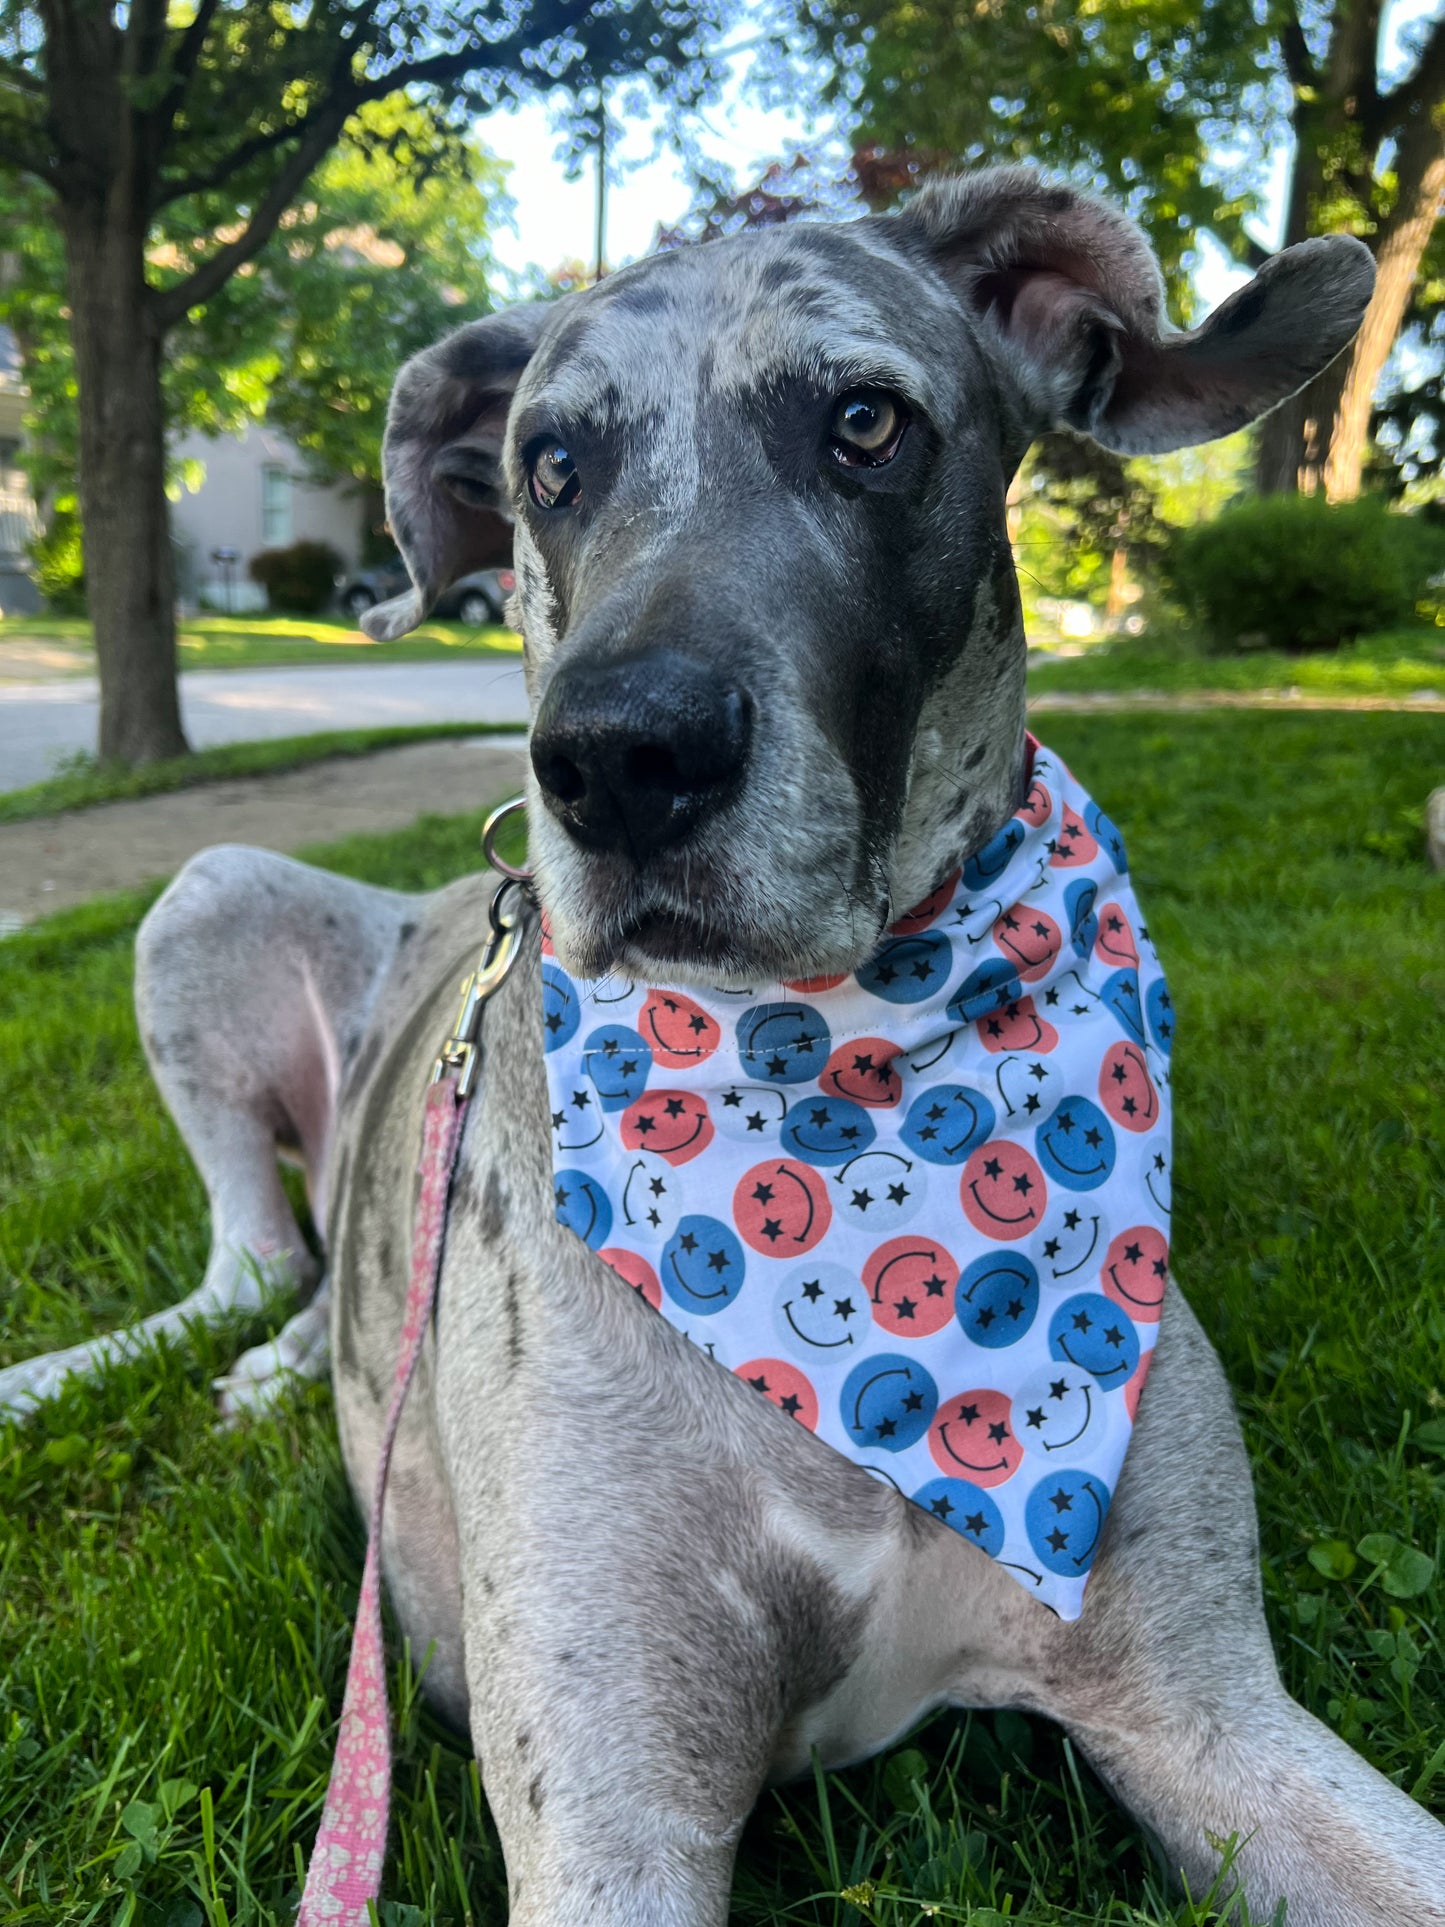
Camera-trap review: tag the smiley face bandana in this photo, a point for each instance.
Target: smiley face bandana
(923, 1209)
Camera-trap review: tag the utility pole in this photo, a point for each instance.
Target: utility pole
(601, 248)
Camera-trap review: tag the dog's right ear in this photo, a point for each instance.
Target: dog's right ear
(442, 458)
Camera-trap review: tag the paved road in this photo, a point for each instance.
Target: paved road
(41, 723)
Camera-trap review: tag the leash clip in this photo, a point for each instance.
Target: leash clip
(458, 1054)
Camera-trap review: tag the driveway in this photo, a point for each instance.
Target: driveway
(42, 723)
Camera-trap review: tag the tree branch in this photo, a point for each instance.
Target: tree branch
(14, 152)
(1299, 67)
(168, 305)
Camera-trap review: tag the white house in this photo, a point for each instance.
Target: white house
(257, 493)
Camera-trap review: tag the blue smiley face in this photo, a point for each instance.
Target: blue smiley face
(561, 1013)
(783, 1043)
(821, 1315)
(908, 969)
(1064, 1516)
(828, 1130)
(992, 986)
(1159, 1009)
(947, 1122)
(1092, 1332)
(1076, 1145)
(966, 1510)
(702, 1266)
(989, 864)
(1120, 994)
(617, 1061)
(582, 1206)
(997, 1299)
(1079, 900)
(1105, 833)
(888, 1402)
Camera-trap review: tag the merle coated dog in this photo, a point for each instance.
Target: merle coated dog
(775, 654)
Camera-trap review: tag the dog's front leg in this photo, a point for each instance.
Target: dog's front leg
(1169, 1683)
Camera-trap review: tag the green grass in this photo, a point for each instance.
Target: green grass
(175, 1600)
(1396, 664)
(260, 642)
(85, 783)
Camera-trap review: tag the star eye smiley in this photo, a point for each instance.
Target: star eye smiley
(866, 428)
(553, 476)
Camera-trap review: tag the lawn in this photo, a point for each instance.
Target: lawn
(175, 1600)
(1398, 663)
(260, 642)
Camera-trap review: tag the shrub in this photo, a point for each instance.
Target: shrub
(301, 579)
(1295, 572)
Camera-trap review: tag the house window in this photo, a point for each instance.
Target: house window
(275, 506)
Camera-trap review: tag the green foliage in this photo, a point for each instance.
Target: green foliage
(1297, 573)
(175, 1598)
(300, 579)
(1173, 660)
(1127, 98)
(59, 560)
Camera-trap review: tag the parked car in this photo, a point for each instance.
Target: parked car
(477, 599)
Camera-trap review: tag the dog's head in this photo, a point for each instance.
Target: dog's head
(772, 632)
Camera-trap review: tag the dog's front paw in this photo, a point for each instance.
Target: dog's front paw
(262, 1377)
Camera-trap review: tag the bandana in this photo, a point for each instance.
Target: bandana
(923, 1208)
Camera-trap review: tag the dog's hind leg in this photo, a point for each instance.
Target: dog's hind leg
(1169, 1684)
(255, 976)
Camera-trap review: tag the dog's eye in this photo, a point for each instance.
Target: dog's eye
(555, 481)
(867, 428)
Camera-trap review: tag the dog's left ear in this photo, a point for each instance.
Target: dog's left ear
(1072, 294)
(442, 458)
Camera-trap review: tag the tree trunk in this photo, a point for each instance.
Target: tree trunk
(1397, 262)
(129, 570)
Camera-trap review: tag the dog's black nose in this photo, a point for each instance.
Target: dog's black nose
(631, 755)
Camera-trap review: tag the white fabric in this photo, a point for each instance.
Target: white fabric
(923, 1209)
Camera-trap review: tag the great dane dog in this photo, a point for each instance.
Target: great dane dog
(776, 661)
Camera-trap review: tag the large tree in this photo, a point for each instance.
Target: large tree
(1178, 106)
(134, 114)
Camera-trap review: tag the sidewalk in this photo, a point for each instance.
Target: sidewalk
(59, 860)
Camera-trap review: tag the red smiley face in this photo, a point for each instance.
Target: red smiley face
(1030, 939)
(910, 1284)
(1003, 1190)
(671, 1124)
(1136, 1270)
(808, 986)
(1136, 1385)
(1126, 1089)
(680, 1032)
(1073, 846)
(634, 1270)
(782, 1385)
(863, 1070)
(1036, 804)
(1115, 943)
(1018, 1026)
(781, 1208)
(547, 950)
(971, 1438)
(927, 912)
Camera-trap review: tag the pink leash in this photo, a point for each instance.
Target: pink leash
(344, 1877)
(345, 1872)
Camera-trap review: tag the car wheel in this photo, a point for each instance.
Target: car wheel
(358, 600)
(476, 610)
